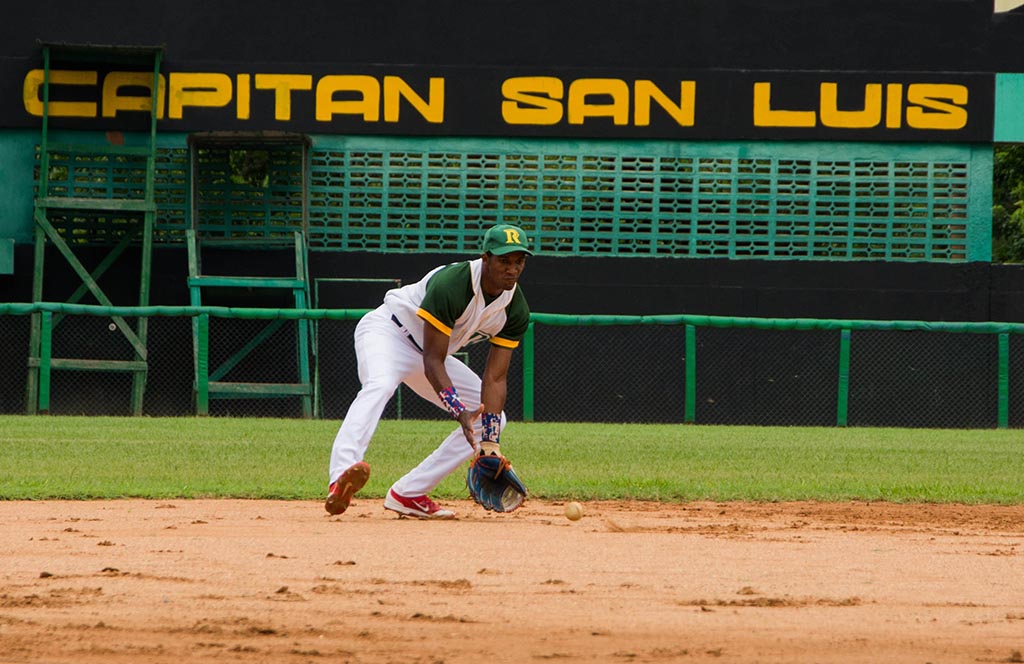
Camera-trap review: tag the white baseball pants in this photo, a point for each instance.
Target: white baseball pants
(387, 357)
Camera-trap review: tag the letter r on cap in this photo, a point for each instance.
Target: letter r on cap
(511, 236)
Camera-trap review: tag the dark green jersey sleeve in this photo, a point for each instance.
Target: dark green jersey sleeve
(448, 294)
(518, 319)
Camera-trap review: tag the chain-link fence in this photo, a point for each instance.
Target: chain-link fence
(656, 369)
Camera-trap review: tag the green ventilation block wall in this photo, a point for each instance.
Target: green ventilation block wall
(613, 198)
(820, 201)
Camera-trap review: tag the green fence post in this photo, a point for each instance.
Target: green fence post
(45, 364)
(1004, 381)
(843, 393)
(690, 361)
(203, 366)
(528, 374)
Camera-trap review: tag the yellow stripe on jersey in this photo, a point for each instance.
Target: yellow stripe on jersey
(425, 315)
(504, 343)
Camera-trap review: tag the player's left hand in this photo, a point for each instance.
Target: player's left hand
(493, 483)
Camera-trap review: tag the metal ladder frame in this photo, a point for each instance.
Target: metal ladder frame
(41, 364)
(209, 382)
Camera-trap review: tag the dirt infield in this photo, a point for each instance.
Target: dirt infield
(266, 581)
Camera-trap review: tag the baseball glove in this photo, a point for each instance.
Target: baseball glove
(494, 485)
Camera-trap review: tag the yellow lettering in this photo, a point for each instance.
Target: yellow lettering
(894, 105)
(282, 85)
(395, 89)
(114, 102)
(243, 96)
(580, 110)
(532, 100)
(644, 92)
(368, 104)
(30, 92)
(197, 89)
(511, 236)
(869, 116)
(936, 106)
(765, 116)
(33, 85)
(526, 100)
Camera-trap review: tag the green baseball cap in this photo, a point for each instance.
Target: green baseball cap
(506, 238)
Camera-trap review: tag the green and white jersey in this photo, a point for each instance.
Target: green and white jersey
(450, 299)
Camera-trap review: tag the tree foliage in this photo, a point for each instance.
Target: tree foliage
(1008, 204)
(251, 167)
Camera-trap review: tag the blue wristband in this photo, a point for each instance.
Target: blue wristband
(492, 427)
(450, 399)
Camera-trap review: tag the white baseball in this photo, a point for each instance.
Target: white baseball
(573, 511)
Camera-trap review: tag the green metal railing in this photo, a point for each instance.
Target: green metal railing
(690, 325)
(845, 327)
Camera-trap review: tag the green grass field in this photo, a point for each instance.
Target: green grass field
(100, 457)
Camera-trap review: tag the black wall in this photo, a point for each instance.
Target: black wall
(631, 286)
(723, 47)
(782, 289)
(893, 35)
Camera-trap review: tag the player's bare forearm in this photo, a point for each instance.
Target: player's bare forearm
(495, 383)
(435, 352)
(492, 396)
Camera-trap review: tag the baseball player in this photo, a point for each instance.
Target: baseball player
(410, 339)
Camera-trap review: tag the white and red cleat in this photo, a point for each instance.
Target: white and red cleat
(421, 507)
